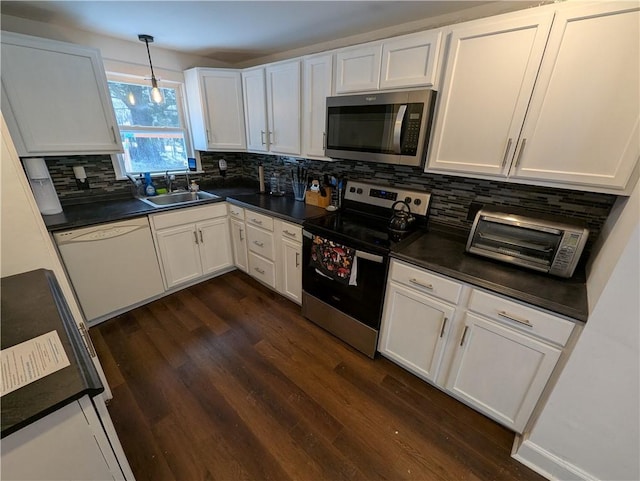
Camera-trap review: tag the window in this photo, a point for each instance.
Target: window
(153, 135)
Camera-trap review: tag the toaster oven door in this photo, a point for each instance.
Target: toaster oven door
(531, 246)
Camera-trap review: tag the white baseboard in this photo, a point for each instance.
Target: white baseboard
(547, 464)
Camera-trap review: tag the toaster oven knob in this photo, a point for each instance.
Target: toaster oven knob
(408, 200)
(359, 191)
(417, 202)
(352, 189)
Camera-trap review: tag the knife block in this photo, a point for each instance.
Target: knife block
(314, 198)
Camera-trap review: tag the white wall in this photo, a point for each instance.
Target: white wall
(118, 55)
(589, 428)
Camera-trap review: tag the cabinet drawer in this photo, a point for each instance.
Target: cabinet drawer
(236, 212)
(425, 281)
(262, 269)
(188, 215)
(260, 242)
(292, 232)
(259, 220)
(523, 318)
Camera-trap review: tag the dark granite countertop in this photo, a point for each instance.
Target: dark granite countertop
(444, 252)
(32, 305)
(285, 207)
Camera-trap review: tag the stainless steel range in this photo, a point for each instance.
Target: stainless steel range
(346, 257)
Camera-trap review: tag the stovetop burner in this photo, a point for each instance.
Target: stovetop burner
(363, 223)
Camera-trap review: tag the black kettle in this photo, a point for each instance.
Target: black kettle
(401, 221)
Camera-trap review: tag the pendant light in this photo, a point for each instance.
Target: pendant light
(156, 95)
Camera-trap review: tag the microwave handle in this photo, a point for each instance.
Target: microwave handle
(397, 128)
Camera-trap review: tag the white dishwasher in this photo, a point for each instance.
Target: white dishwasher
(111, 266)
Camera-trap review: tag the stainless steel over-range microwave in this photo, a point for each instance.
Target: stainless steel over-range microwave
(388, 127)
(543, 245)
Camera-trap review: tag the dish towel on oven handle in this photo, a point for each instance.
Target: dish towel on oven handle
(334, 261)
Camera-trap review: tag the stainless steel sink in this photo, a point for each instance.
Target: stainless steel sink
(178, 198)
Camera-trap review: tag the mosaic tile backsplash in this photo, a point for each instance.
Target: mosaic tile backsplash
(450, 196)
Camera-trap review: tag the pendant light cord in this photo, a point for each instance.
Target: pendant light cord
(146, 42)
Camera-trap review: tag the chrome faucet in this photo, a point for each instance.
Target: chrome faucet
(168, 179)
(188, 181)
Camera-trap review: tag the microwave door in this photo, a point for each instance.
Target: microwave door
(397, 129)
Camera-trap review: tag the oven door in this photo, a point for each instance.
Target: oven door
(362, 301)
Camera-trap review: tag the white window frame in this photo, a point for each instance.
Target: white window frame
(118, 159)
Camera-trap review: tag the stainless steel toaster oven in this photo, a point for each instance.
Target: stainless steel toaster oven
(549, 246)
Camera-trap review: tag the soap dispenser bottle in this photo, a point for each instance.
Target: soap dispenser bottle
(150, 189)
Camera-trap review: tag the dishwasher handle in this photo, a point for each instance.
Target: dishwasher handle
(96, 234)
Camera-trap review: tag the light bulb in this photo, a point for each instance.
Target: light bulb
(131, 98)
(156, 95)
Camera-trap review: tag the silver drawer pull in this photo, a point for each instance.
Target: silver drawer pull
(259, 244)
(258, 270)
(515, 319)
(256, 221)
(241, 236)
(291, 234)
(418, 283)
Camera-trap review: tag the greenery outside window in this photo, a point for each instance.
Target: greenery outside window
(154, 136)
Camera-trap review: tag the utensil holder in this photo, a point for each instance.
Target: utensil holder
(314, 198)
(299, 190)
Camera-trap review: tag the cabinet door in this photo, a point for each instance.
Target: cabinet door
(410, 60)
(582, 124)
(215, 245)
(55, 98)
(358, 68)
(222, 97)
(180, 254)
(414, 330)
(318, 73)
(255, 110)
(239, 244)
(499, 371)
(291, 270)
(283, 100)
(489, 76)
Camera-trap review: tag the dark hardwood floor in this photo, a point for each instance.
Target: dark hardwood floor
(226, 380)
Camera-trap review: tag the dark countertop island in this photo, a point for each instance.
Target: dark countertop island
(442, 250)
(32, 305)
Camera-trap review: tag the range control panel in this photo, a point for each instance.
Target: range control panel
(385, 195)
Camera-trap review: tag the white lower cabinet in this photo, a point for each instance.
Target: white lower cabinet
(414, 330)
(289, 260)
(261, 246)
(494, 354)
(192, 243)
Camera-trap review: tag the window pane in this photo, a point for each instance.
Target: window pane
(133, 106)
(153, 151)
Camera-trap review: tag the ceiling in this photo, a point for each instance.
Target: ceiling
(239, 31)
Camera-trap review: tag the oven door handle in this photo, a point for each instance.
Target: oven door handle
(370, 257)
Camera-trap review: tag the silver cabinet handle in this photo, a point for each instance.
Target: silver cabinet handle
(258, 270)
(241, 237)
(324, 140)
(201, 238)
(522, 144)
(297, 259)
(195, 234)
(290, 234)
(113, 132)
(444, 324)
(506, 152)
(87, 340)
(256, 221)
(208, 140)
(464, 334)
(259, 244)
(262, 137)
(270, 137)
(508, 316)
(418, 283)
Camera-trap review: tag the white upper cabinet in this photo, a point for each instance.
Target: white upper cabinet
(358, 68)
(215, 109)
(317, 85)
(411, 60)
(272, 108)
(283, 102)
(55, 98)
(255, 109)
(568, 118)
(489, 75)
(582, 123)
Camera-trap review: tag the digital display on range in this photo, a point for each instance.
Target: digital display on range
(383, 194)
